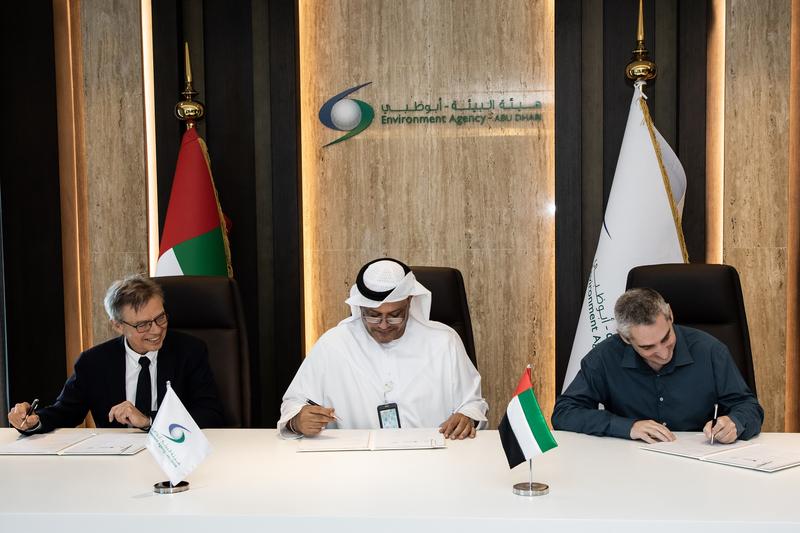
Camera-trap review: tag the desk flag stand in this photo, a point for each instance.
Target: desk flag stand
(531, 487)
(176, 443)
(524, 434)
(166, 487)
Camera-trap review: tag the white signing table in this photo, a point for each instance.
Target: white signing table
(255, 481)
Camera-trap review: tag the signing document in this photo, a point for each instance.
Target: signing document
(745, 454)
(332, 440)
(68, 442)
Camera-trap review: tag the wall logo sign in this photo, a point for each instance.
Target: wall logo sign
(490, 113)
(346, 114)
(354, 116)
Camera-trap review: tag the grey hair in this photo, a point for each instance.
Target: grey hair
(135, 290)
(639, 307)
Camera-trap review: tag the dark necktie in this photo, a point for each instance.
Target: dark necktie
(144, 400)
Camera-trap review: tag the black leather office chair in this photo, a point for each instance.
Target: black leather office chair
(449, 302)
(705, 297)
(210, 308)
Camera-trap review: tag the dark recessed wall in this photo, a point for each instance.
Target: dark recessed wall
(33, 303)
(244, 64)
(593, 45)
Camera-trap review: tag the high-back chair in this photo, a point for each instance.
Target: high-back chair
(210, 308)
(449, 301)
(705, 297)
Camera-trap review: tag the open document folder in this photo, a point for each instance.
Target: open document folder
(336, 440)
(76, 443)
(745, 454)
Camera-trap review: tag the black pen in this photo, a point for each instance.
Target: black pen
(312, 402)
(33, 406)
(714, 423)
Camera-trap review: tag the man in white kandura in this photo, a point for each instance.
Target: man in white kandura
(387, 365)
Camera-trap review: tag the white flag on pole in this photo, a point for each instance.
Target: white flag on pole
(642, 226)
(175, 440)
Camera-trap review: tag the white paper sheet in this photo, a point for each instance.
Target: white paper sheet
(61, 442)
(44, 444)
(331, 440)
(109, 444)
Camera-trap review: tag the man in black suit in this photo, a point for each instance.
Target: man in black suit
(123, 381)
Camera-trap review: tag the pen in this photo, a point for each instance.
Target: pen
(714, 423)
(33, 406)
(312, 402)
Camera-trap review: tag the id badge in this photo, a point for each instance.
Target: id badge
(388, 415)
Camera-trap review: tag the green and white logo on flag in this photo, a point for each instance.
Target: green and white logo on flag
(175, 440)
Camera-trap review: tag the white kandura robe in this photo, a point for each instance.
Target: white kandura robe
(426, 372)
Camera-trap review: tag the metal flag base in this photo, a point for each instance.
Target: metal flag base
(531, 489)
(165, 487)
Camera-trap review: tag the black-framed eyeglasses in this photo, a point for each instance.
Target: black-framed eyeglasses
(145, 325)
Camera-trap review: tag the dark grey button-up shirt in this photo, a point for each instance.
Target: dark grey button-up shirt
(681, 395)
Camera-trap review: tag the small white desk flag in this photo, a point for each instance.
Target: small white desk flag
(175, 440)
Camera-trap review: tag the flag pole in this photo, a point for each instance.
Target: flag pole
(640, 70)
(191, 111)
(530, 471)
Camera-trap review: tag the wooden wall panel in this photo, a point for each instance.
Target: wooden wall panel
(755, 206)
(72, 177)
(113, 125)
(793, 273)
(478, 198)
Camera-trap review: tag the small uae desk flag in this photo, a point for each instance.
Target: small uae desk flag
(176, 442)
(525, 434)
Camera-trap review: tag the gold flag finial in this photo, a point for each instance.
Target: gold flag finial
(640, 67)
(188, 62)
(189, 110)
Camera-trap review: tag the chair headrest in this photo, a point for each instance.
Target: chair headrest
(199, 301)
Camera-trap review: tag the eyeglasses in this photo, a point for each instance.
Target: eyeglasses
(391, 320)
(145, 325)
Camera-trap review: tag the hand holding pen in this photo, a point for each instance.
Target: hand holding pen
(312, 402)
(721, 430)
(23, 415)
(311, 419)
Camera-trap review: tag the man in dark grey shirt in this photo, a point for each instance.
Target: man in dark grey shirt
(653, 378)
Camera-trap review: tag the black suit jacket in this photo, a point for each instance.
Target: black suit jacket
(98, 383)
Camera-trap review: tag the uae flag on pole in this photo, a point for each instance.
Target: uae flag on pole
(194, 241)
(524, 431)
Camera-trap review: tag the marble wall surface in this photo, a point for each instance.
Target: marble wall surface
(478, 197)
(103, 171)
(754, 200)
(793, 271)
